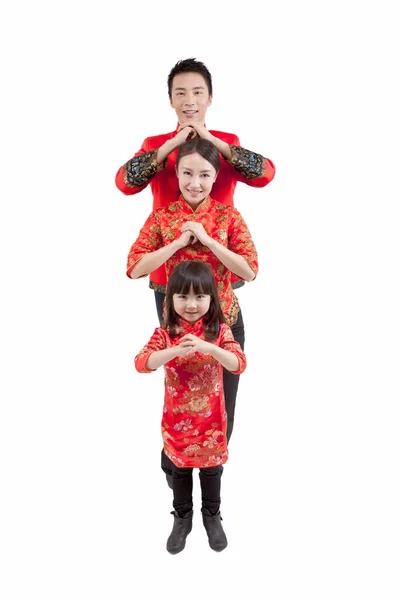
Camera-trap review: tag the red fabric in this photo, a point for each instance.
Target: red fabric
(223, 223)
(165, 188)
(194, 422)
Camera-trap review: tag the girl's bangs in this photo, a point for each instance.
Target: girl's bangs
(198, 281)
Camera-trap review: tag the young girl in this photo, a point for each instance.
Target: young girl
(193, 345)
(197, 227)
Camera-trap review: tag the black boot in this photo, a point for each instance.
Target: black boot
(216, 535)
(181, 529)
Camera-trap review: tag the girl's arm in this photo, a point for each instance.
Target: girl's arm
(229, 344)
(230, 357)
(159, 358)
(155, 354)
(227, 359)
(156, 344)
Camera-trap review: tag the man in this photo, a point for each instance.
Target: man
(190, 95)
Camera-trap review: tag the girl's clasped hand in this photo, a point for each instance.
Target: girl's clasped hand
(191, 343)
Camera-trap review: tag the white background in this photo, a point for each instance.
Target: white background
(311, 490)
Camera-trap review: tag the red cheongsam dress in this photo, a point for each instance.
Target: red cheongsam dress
(194, 422)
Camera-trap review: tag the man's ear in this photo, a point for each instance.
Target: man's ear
(209, 101)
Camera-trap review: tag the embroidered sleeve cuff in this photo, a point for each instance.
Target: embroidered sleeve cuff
(141, 169)
(236, 349)
(242, 364)
(141, 362)
(132, 262)
(247, 163)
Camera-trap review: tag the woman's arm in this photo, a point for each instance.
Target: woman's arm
(151, 261)
(232, 260)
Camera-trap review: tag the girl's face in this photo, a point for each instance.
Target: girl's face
(196, 177)
(191, 306)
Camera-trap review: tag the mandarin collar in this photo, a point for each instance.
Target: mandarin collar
(203, 207)
(195, 328)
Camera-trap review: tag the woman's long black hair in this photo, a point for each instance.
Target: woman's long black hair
(196, 274)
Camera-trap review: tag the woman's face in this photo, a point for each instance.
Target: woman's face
(196, 177)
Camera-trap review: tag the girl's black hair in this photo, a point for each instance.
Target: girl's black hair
(205, 148)
(196, 274)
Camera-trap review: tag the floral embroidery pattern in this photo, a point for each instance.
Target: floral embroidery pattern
(183, 425)
(138, 171)
(193, 424)
(197, 405)
(157, 287)
(223, 223)
(249, 164)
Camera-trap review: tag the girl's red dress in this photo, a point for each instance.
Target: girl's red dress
(194, 422)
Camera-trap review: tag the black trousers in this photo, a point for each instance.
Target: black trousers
(231, 382)
(182, 486)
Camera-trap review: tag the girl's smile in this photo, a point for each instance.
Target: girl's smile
(191, 306)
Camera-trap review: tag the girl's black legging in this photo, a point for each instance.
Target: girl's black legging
(182, 485)
(231, 382)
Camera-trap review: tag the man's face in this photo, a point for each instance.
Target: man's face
(190, 97)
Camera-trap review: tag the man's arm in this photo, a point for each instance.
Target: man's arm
(249, 167)
(135, 175)
(170, 145)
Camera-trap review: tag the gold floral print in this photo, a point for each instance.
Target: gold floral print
(223, 223)
(139, 171)
(249, 164)
(193, 424)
